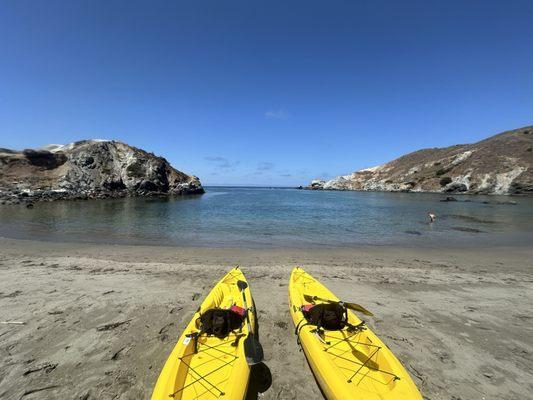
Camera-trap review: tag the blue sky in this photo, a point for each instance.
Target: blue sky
(265, 92)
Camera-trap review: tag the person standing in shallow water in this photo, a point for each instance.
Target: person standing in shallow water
(432, 217)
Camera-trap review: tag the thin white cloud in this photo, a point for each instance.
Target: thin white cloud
(223, 163)
(277, 114)
(265, 166)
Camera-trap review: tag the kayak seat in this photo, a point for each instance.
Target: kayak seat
(220, 322)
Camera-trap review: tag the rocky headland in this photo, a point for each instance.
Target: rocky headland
(88, 169)
(501, 164)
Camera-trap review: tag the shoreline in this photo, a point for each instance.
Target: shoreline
(458, 320)
(161, 252)
(409, 239)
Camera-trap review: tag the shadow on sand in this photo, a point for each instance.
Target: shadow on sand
(260, 381)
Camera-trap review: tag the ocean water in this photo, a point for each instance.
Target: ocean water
(265, 217)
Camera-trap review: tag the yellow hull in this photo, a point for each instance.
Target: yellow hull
(347, 365)
(219, 368)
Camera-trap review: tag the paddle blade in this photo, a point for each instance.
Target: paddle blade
(242, 285)
(359, 308)
(253, 350)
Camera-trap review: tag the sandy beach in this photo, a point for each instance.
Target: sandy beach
(99, 321)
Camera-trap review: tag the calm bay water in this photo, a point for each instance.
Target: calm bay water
(262, 217)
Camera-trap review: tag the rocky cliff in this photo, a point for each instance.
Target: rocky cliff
(89, 169)
(501, 164)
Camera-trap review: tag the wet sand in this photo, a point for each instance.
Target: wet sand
(99, 321)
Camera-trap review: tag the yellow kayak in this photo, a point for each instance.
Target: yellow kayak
(347, 358)
(209, 361)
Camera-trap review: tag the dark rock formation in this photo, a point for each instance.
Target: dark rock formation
(44, 158)
(316, 184)
(501, 164)
(89, 169)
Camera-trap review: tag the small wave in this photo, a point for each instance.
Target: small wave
(212, 194)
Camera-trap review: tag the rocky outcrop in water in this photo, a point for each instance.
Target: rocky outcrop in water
(501, 164)
(89, 169)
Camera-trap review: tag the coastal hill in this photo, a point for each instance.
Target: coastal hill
(89, 169)
(501, 164)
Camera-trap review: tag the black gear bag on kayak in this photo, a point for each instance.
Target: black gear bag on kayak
(220, 322)
(331, 316)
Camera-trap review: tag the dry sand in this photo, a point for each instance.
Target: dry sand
(101, 320)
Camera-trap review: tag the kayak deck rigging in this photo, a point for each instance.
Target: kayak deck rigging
(203, 378)
(199, 385)
(332, 344)
(368, 363)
